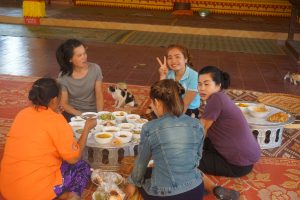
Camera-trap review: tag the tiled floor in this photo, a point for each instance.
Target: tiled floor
(136, 64)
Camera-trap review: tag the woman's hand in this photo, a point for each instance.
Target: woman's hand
(90, 123)
(130, 190)
(163, 69)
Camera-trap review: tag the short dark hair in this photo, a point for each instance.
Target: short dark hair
(64, 53)
(218, 76)
(169, 92)
(42, 91)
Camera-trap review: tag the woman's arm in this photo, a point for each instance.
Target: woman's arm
(188, 98)
(65, 104)
(89, 124)
(99, 95)
(206, 125)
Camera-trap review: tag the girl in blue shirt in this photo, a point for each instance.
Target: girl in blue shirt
(177, 66)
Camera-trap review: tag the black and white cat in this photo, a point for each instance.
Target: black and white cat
(122, 97)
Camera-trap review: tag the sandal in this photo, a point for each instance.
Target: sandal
(225, 194)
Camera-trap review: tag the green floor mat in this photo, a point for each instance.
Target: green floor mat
(203, 42)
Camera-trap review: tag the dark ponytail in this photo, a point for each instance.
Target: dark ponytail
(42, 91)
(218, 76)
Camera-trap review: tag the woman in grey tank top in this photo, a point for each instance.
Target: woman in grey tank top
(81, 81)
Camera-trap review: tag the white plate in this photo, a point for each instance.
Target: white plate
(77, 119)
(99, 176)
(87, 115)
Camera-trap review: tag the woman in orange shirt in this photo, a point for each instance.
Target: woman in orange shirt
(41, 159)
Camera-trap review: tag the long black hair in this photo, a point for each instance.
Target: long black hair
(42, 91)
(218, 76)
(64, 53)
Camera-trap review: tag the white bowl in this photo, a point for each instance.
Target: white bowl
(130, 118)
(97, 128)
(103, 137)
(109, 123)
(136, 133)
(126, 126)
(242, 106)
(111, 129)
(78, 133)
(255, 112)
(87, 115)
(76, 124)
(77, 119)
(99, 177)
(106, 115)
(124, 136)
(120, 116)
(140, 122)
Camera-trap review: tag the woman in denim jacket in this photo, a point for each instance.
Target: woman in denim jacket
(174, 141)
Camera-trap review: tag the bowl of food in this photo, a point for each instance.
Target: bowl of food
(97, 128)
(130, 118)
(258, 111)
(111, 129)
(103, 137)
(140, 122)
(120, 116)
(78, 133)
(124, 136)
(87, 115)
(136, 133)
(106, 116)
(242, 106)
(126, 126)
(100, 177)
(76, 125)
(77, 119)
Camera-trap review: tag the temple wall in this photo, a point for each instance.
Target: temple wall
(280, 8)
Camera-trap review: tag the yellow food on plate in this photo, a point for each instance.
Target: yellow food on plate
(104, 135)
(260, 108)
(243, 105)
(278, 117)
(116, 141)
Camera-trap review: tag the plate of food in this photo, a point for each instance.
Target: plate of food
(99, 177)
(105, 115)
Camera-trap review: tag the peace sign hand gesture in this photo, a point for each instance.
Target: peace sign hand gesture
(163, 69)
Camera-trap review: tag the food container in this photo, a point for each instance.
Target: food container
(77, 119)
(87, 115)
(140, 122)
(258, 111)
(111, 129)
(106, 116)
(124, 136)
(103, 137)
(126, 126)
(120, 116)
(130, 118)
(242, 106)
(268, 134)
(136, 133)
